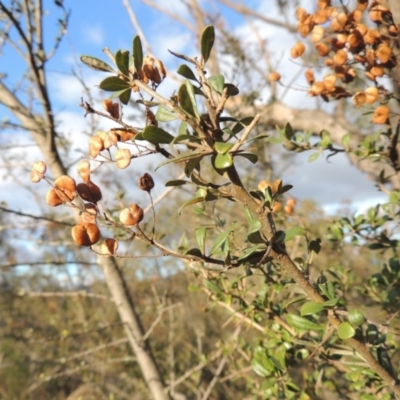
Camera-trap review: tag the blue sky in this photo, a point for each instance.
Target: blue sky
(105, 23)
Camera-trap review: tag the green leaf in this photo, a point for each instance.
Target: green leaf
(293, 232)
(217, 82)
(311, 307)
(298, 322)
(255, 226)
(207, 41)
(113, 84)
(122, 61)
(222, 148)
(194, 200)
(181, 138)
(258, 137)
(219, 241)
(210, 285)
(125, 96)
(156, 135)
(288, 131)
(137, 53)
(184, 157)
(183, 129)
(331, 303)
(187, 99)
(176, 182)
(231, 90)
(186, 72)
(251, 250)
(313, 156)
(253, 158)
(242, 124)
(223, 161)
(355, 317)
(165, 115)
(201, 238)
(194, 252)
(260, 362)
(345, 330)
(96, 64)
(346, 141)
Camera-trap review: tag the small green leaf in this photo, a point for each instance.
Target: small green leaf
(187, 99)
(210, 285)
(217, 82)
(156, 135)
(207, 42)
(183, 129)
(255, 226)
(122, 61)
(313, 156)
(201, 238)
(346, 141)
(194, 200)
(165, 115)
(137, 53)
(96, 64)
(184, 157)
(222, 148)
(113, 84)
(219, 241)
(298, 322)
(331, 303)
(242, 124)
(251, 250)
(288, 131)
(186, 72)
(253, 158)
(223, 161)
(176, 182)
(311, 307)
(293, 232)
(345, 330)
(355, 317)
(231, 90)
(125, 96)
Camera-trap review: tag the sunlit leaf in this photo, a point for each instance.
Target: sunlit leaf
(345, 330)
(190, 202)
(311, 307)
(219, 241)
(96, 64)
(201, 238)
(298, 322)
(293, 232)
(222, 148)
(163, 114)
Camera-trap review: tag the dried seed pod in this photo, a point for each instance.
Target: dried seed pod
(52, 198)
(89, 215)
(288, 209)
(161, 68)
(123, 158)
(371, 94)
(85, 234)
(381, 115)
(383, 53)
(263, 184)
(309, 74)
(131, 216)
(107, 105)
(316, 89)
(151, 118)
(109, 247)
(274, 76)
(38, 170)
(124, 134)
(317, 34)
(89, 192)
(156, 76)
(148, 67)
(65, 187)
(146, 182)
(322, 49)
(110, 140)
(291, 202)
(340, 57)
(115, 111)
(359, 99)
(330, 82)
(297, 50)
(276, 207)
(96, 145)
(84, 170)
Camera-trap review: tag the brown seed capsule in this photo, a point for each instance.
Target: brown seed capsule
(123, 158)
(107, 105)
(110, 140)
(161, 68)
(96, 145)
(38, 171)
(109, 247)
(381, 115)
(274, 76)
(276, 207)
(359, 99)
(52, 198)
(131, 216)
(88, 216)
(84, 170)
(322, 49)
(383, 53)
(371, 94)
(297, 50)
(65, 187)
(291, 202)
(115, 111)
(85, 234)
(146, 182)
(89, 192)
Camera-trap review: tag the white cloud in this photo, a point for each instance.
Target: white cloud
(94, 34)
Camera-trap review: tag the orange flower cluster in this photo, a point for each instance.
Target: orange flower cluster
(342, 38)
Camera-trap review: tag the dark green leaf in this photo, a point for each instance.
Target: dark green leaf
(187, 99)
(113, 84)
(122, 61)
(186, 72)
(194, 200)
(293, 232)
(184, 157)
(249, 156)
(345, 330)
(295, 321)
(156, 135)
(311, 307)
(242, 124)
(176, 182)
(207, 41)
(258, 137)
(125, 96)
(137, 53)
(181, 138)
(251, 250)
(217, 82)
(288, 131)
(232, 90)
(96, 64)
(219, 241)
(223, 161)
(183, 57)
(222, 148)
(165, 115)
(194, 252)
